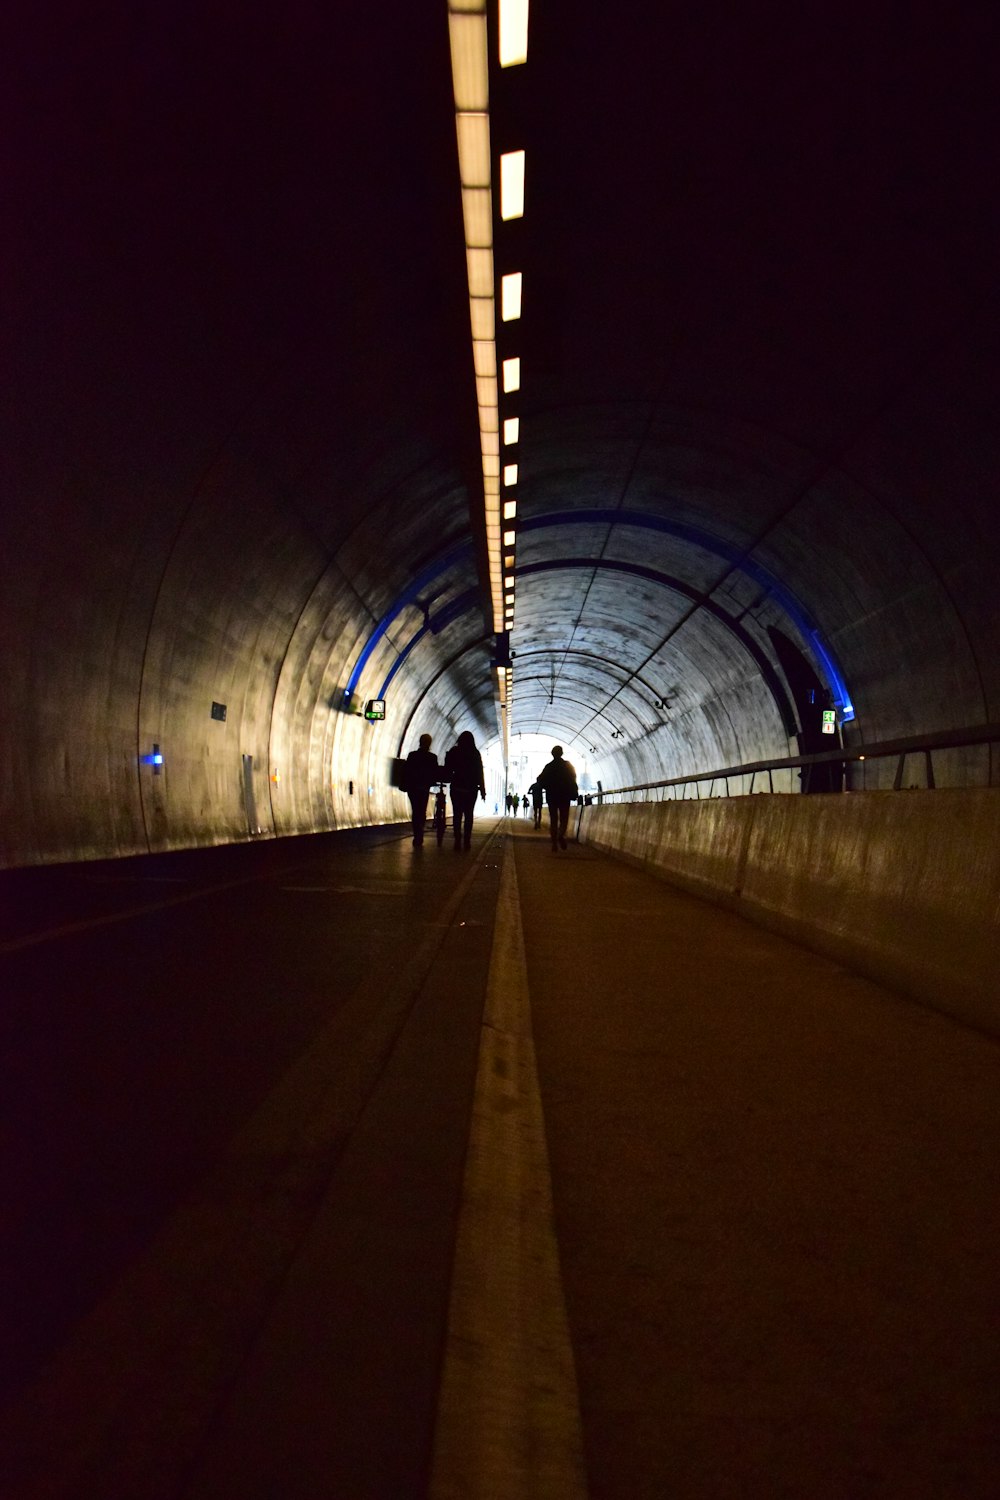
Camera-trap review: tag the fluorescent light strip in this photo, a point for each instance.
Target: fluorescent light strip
(511, 430)
(511, 375)
(510, 296)
(512, 185)
(468, 36)
(513, 32)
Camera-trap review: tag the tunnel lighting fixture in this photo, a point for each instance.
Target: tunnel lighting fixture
(469, 43)
(469, 56)
(472, 128)
(477, 215)
(513, 32)
(510, 296)
(479, 268)
(470, 62)
(486, 395)
(512, 185)
(484, 357)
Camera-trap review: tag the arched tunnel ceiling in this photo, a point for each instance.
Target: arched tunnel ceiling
(758, 392)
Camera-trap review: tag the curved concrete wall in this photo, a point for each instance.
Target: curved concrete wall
(904, 886)
(242, 426)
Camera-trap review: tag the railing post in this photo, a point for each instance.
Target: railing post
(929, 765)
(770, 780)
(898, 779)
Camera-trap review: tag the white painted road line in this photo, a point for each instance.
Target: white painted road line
(508, 1424)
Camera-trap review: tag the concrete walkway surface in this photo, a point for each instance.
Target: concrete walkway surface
(344, 1170)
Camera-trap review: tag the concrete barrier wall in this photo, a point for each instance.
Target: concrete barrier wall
(903, 886)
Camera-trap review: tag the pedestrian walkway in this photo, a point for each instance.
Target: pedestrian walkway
(777, 1203)
(516, 1175)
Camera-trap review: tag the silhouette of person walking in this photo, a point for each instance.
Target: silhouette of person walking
(537, 799)
(422, 770)
(558, 782)
(463, 767)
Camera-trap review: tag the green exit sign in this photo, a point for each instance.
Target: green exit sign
(829, 721)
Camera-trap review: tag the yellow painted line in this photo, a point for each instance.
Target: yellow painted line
(508, 1422)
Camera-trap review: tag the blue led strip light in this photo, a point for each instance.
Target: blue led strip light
(790, 604)
(458, 606)
(409, 595)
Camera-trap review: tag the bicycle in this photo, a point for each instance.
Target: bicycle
(440, 820)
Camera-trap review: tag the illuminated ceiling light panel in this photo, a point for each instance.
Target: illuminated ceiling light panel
(508, 561)
(484, 356)
(481, 318)
(477, 216)
(513, 32)
(509, 510)
(469, 43)
(510, 474)
(510, 296)
(479, 266)
(508, 538)
(486, 391)
(511, 375)
(473, 131)
(512, 185)
(511, 429)
(508, 583)
(469, 59)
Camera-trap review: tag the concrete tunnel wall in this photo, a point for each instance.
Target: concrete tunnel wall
(242, 424)
(900, 886)
(121, 630)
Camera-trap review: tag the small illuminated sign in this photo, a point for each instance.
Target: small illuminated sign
(829, 721)
(154, 759)
(375, 708)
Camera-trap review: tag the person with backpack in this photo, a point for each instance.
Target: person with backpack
(558, 782)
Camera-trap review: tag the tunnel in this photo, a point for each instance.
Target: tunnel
(291, 482)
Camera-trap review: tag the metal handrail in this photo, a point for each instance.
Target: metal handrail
(947, 739)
